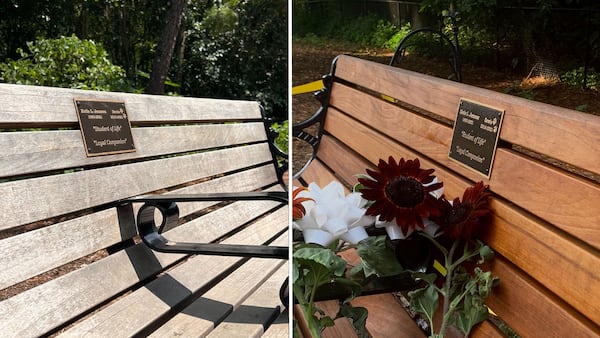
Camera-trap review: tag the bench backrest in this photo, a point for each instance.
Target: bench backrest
(545, 183)
(57, 205)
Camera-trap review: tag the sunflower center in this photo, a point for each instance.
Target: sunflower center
(405, 192)
(459, 214)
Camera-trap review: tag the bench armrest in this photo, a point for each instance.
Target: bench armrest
(167, 206)
(300, 129)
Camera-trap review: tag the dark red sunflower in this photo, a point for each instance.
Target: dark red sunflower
(461, 219)
(298, 210)
(399, 192)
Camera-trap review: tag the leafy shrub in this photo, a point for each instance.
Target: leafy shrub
(393, 42)
(282, 139)
(240, 52)
(575, 78)
(65, 62)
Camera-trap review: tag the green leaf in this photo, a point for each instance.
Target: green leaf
(424, 301)
(460, 278)
(358, 315)
(427, 277)
(314, 254)
(377, 258)
(472, 313)
(485, 282)
(486, 253)
(326, 321)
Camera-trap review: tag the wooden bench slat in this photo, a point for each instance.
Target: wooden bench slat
(81, 190)
(567, 137)
(582, 266)
(387, 118)
(318, 173)
(209, 310)
(141, 308)
(516, 178)
(112, 275)
(531, 310)
(55, 306)
(400, 321)
(38, 105)
(280, 328)
(35, 252)
(23, 153)
(261, 308)
(559, 262)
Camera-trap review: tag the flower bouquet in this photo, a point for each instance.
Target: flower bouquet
(420, 223)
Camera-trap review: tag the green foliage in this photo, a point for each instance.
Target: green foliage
(463, 291)
(239, 50)
(376, 259)
(282, 139)
(65, 62)
(393, 41)
(575, 78)
(425, 301)
(314, 266)
(366, 30)
(515, 89)
(227, 49)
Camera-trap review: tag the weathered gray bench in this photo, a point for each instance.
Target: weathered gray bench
(72, 262)
(545, 181)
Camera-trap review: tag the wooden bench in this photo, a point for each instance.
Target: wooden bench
(545, 182)
(72, 262)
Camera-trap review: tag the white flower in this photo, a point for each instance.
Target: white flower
(331, 215)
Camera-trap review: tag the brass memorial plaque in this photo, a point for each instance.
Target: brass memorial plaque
(475, 136)
(104, 126)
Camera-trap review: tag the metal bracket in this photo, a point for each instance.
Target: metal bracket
(167, 206)
(454, 46)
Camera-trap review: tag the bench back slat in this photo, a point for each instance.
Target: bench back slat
(514, 177)
(544, 204)
(28, 153)
(43, 106)
(89, 188)
(35, 252)
(526, 123)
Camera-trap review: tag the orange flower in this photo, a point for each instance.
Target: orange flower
(298, 209)
(401, 191)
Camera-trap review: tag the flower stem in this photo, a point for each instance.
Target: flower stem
(449, 270)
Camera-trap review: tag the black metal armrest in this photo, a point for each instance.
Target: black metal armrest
(299, 130)
(167, 206)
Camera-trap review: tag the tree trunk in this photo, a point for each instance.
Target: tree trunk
(166, 45)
